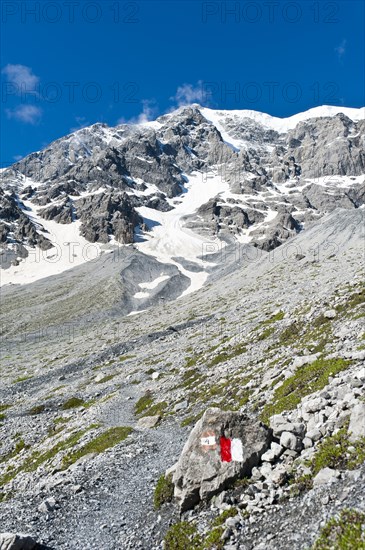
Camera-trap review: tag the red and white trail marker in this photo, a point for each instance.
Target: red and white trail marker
(231, 449)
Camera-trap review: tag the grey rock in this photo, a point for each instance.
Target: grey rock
(314, 405)
(357, 422)
(273, 453)
(307, 442)
(330, 314)
(324, 476)
(181, 406)
(47, 505)
(304, 360)
(148, 422)
(200, 472)
(290, 441)
(11, 541)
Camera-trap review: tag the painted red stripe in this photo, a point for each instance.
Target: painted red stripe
(225, 444)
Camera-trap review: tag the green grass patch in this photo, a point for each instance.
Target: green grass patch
(32, 462)
(104, 441)
(164, 491)
(191, 378)
(354, 300)
(182, 536)
(344, 532)
(192, 419)
(126, 357)
(156, 409)
(289, 335)
(4, 407)
(145, 402)
(72, 403)
(106, 378)
(61, 420)
(19, 446)
(306, 380)
(338, 452)
(227, 354)
(278, 317)
(22, 379)
(300, 484)
(265, 334)
(230, 513)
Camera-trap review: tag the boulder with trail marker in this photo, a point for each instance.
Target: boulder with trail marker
(222, 447)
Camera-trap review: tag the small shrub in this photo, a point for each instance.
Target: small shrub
(265, 334)
(126, 357)
(2, 417)
(19, 446)
(278, 317)
(189, 420)
(227, 354)
(164, 491)
(301, 484)
(346, 532)
(183, 536)
(214, 539)
(290, 334)
(230, 513)
(334, 453)
(106, 378)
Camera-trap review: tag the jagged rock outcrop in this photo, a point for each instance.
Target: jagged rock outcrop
(107, 214)
(17, 231)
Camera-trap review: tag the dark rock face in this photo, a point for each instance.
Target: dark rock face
(107, 214)
(12, 541)
(61, 213)
(222, 447)
(17, 230)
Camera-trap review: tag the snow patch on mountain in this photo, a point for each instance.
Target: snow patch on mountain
(168, 238)
(281, 125)
(69, 250)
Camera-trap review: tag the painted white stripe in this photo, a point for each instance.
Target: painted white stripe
(237, 450)
(208, 440)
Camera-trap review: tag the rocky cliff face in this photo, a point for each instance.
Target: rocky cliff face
(274, 180)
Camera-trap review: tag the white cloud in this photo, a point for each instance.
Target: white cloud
(29, 114)
(22, 77)
(341, 49)
(149, 112)
(82, 123)
(17, 157)
(189, 93)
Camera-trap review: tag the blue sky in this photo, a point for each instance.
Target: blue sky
(69, 64)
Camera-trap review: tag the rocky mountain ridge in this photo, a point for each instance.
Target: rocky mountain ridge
(119, 184)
